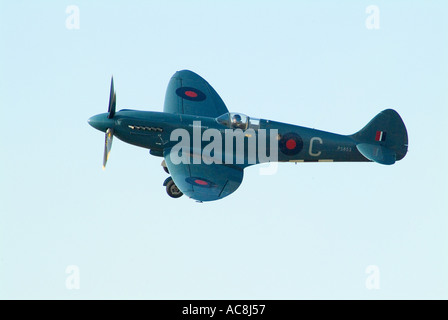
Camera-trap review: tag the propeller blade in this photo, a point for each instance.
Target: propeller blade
(107, 146)
(112, 100)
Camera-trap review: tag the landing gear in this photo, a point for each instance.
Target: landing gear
(171, 188)
(163, 164)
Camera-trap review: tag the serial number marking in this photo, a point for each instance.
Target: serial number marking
(344, 149)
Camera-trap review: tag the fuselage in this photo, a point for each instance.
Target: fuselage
(259, 141)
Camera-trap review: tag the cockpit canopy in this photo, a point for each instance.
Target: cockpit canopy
(234, 120)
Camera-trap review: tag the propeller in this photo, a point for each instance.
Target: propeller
(110, 131)
(108, 145)
(112, 100)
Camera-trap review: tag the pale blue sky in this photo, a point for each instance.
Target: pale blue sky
(309, 231)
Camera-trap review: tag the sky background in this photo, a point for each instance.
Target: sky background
(309, 231)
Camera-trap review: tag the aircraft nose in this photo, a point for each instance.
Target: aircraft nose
(101, 122)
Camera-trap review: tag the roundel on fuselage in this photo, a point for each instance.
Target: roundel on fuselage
(290, 144)
(190, 93)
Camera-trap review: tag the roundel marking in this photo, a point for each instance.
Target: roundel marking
(200, 182)
(290, 144)
(191, 94)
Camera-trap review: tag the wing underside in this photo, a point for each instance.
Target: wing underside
(204, 182)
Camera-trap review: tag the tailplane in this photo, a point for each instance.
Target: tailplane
(384, 139)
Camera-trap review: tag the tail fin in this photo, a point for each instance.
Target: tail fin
(384, 139)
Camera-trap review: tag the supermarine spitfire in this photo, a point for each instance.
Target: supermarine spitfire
(206, 148)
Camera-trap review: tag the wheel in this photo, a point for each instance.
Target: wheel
(166, 170)
(172, 190)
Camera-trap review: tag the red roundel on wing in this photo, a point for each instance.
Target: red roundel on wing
(201, 182)
(291, 144)
(191, 94)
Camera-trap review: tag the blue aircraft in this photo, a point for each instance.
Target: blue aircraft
(206, 148)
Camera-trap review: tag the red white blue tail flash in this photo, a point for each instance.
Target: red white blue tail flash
(380, 136)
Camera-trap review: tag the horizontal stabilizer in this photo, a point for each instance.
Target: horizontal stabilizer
(377, 153)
